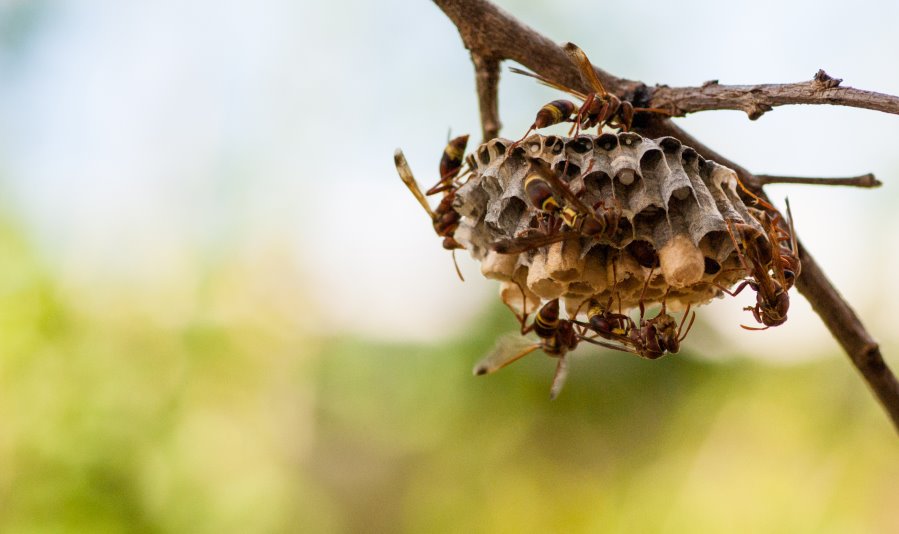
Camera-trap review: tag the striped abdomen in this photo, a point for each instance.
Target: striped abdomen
(553, 113)
(547, 321)
(453, 154)
(540, 193)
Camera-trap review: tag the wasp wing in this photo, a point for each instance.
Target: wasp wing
(588, 75)
(559, 378)
(549, 83)
(794, 246)
(609, 345)
(402, 167)
(508, 349)
(517, 245)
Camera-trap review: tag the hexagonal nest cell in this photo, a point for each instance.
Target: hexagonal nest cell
(671, 241)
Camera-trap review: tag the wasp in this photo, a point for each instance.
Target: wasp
(557, 337)
(556, 112)
(599, 108)
(444, 218)
(539, 186)
(772, 299)
(773, 262)
(607, 324)
(578, 218)
(450, 165)
(662, 334)
(651, 339)
(787, 256)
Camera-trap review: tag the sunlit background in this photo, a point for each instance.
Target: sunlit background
(221, 311)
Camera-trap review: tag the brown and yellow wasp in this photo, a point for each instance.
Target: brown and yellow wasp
(557, 337)
(771, 259)
(651, 339)
(444, 218)
(599, 108)
(578, 218)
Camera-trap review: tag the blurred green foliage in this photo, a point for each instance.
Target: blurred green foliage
(209, 405)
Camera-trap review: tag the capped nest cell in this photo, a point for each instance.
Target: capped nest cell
(671, 242)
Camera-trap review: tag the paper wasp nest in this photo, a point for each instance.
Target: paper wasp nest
(673, 205)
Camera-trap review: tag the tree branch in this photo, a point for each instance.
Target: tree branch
(755, 100)
(487, 81)
(865, 180)
(489, 32)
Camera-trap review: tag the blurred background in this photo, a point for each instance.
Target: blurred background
(221, 311)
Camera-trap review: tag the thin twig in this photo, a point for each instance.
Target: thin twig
(487, 81)
(755, 100)
(865, 180)
(490, 32)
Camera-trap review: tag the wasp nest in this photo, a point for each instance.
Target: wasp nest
(670, 243)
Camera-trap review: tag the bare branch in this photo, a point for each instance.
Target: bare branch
(755, 100)
(489, 32)
(487, 81)
(846, 327)
(865, 180)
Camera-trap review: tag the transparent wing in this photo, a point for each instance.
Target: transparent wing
(406, 176)
(579, 58)
(508, 349)
(559, 378)
(517, 245)
(549, 83)
(610, 345)
(794, 247)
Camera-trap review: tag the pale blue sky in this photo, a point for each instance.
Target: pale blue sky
(138, 136)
